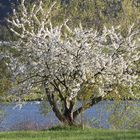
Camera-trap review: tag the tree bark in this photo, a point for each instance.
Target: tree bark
(68, 116)
(68, 113)
(65, 117)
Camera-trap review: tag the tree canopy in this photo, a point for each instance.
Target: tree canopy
(72, 65)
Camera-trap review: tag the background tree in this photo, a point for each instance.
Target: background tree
(128, 114)
(80, 65)
(5, 36)
(5, 74)
(95, 13)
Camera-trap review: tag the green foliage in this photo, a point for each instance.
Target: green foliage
(95, 13)
(45, 108)
(125, 115)
(5, 33)
(5, 82)
(91, 13)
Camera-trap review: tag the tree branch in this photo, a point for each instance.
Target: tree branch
(24, 80)
(57, 88)
(86, 106)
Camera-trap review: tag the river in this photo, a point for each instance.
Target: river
(105, 114)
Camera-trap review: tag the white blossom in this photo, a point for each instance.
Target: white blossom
(64, 62)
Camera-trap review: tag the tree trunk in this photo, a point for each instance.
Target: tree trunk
(65, 117)
(68, 116)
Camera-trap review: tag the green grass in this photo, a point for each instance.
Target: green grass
(71, 134)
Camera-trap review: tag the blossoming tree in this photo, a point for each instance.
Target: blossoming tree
(72, 65)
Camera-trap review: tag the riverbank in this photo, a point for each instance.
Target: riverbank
(72, 134)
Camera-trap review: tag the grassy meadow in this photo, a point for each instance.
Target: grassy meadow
(72, 134)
